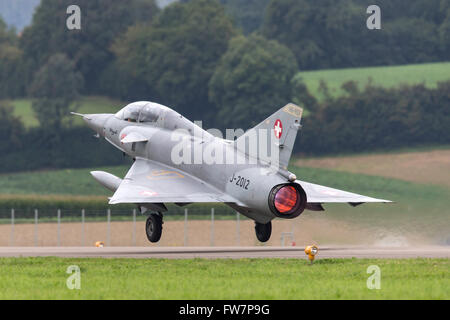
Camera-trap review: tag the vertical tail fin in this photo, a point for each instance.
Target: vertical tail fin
(280, 131)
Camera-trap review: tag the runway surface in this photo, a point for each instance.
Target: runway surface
(226, 252)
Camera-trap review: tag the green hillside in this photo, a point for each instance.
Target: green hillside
(429, 74)
(80, 182)
(59, 182)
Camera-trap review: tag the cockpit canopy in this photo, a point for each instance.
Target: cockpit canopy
(142, 111)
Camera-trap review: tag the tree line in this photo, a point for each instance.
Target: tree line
(374, 118)
(134, 51)
(378, 118)
(332, 34)
(229, 63)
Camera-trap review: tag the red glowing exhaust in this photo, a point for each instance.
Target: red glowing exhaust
(287, 200)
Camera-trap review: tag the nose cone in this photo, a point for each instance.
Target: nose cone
(96, 121)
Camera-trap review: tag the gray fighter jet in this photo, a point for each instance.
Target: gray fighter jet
(176, 161)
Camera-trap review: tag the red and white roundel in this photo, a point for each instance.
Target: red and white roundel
(278, 128)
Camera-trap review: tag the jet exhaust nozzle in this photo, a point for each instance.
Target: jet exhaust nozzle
(287, 200)
(107, 180)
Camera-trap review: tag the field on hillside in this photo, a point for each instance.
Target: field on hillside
(428, 167)
(22, 108)
(418, 210)
(45, 278)
(421, 209)
(389, 76)
(418, 182)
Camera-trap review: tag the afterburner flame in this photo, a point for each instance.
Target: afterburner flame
(286, 199)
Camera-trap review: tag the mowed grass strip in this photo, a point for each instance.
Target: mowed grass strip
(45, 278)
(386, 76)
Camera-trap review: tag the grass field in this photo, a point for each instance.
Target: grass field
(420, 210)
(80, 182)
(352, 172)
(389, 76)
(45, 278)
(421, 207)
(94, 104)
(65, 181)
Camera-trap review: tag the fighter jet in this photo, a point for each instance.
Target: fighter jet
(176, 161)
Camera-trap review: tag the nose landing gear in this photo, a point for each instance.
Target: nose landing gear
(153, 227)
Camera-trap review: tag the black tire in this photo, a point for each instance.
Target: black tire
(263, 231)
(153, 227)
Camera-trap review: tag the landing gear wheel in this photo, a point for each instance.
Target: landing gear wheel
(153, 227)
(263, 231)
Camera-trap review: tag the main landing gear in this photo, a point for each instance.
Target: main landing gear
(153, 227)
(263, 231)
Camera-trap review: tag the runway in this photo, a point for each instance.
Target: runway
(226, 252)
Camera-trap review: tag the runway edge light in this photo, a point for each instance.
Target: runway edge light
(99, 244)
(311, 252)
